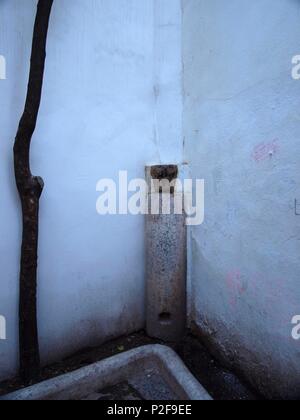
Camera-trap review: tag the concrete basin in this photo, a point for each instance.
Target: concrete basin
(147, 373)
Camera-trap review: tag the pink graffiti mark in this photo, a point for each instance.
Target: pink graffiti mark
(265, 151)
(272, 300)
(235, 285)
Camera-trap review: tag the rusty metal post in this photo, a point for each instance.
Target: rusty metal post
(166, 259)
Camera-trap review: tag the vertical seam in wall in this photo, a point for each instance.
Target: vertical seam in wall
(182, 81)
(155, 83)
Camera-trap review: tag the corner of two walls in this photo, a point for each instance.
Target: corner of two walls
(238, 126)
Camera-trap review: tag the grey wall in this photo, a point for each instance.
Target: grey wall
(241, 127)
(111, 102)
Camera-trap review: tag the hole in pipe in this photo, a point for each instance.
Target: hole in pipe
(165, 318)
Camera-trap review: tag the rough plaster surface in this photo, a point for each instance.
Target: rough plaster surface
(241, 128)
(135, 367)
(111, 102)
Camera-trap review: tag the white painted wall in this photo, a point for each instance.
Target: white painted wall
(241, 127)
(111, 101)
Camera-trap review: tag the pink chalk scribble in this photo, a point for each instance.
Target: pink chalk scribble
(235, 286)
(272, 300)
(265, 151)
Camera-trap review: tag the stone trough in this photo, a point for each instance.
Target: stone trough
(147, 373)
